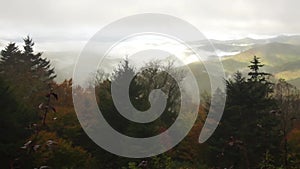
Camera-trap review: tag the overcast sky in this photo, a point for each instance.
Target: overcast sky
(77, 20)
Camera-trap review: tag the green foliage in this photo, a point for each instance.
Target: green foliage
(28, 68)
(255, 74)
(132, 165)
(162, 161)
(150, 77)
(156, 162)
(247, 129)
(56, 153)
(14, 123)
(267, 162)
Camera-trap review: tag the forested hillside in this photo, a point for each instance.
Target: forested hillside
(260, 127)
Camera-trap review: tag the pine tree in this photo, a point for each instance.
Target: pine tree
(255, 74)
(40, 67)
(27, 68)
(247, 130)
(10, 57)
(9, 53)
(14, 122)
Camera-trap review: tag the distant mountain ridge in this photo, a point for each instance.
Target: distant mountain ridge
(281, 55)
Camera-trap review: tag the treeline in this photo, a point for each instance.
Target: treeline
(39, 127)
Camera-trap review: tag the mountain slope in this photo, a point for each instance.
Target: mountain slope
(272, 54)
(280, 59)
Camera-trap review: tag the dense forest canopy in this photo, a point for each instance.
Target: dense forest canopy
(39, 126)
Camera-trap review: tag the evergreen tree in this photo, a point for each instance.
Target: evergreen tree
(15, 121)
(27, 68)
(247, 130)
(255, 74)
(40, 67)
(11, 56)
